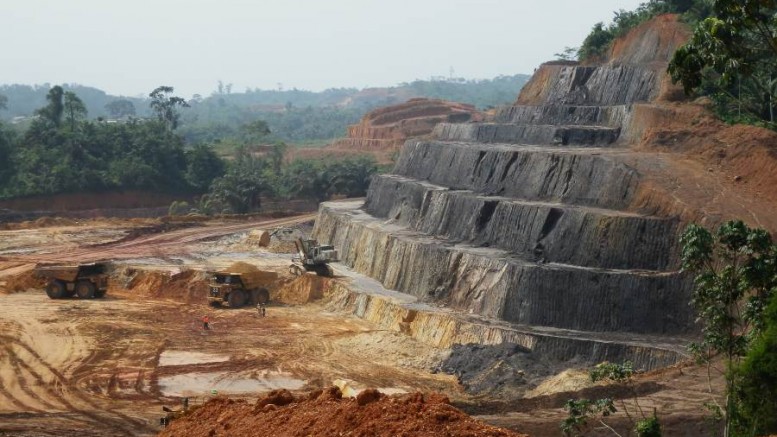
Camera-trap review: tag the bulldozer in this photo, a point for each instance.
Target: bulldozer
(240, 288)
(86, 281)
(313, 257)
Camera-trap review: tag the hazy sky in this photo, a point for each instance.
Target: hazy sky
(129, 47)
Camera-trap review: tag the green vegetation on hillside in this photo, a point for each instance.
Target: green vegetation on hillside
(293, 116)
(734, 297)
(732, 57)
(598, 42)
(63, 151)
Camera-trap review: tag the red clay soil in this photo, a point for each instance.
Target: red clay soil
(712, 171)
(389, 127)
(325, 413)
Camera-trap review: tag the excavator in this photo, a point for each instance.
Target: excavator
(313, 257)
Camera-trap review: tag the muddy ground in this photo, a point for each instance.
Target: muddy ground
(107, 366)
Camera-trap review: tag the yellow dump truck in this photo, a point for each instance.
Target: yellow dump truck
(87, 281)
(239, 288)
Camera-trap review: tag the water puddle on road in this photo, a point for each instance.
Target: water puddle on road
(181, 358)
(194, 384)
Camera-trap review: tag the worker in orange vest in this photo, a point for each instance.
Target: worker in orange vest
(205, 321)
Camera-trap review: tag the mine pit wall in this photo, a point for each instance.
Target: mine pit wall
(558, 84)
(548, 232)
(593, 136)
(521, 172)
(568, 115)
(490, 283)
(443, 330)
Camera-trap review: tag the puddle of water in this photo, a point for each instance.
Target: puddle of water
(180, 358)
(351, 389)
(194, 384)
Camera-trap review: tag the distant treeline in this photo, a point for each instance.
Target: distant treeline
(63, 151)
(295, 116)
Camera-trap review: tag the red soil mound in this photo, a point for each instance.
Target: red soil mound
(325, 413)
(389, 127)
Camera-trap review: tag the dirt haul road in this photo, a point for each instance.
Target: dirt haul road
(106, 367)
(166, 243)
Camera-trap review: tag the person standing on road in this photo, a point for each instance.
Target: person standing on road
(264, 311)
(205, 321)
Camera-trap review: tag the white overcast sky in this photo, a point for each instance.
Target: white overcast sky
(131, 46)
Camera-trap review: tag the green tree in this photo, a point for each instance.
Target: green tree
(568, 54)
(166, 107)
(120, 108)
(6, 154)
(580, 411)
(74, 109)
(756, 378)
(241, 188)
(203, 165)
(3, 102)
(732, 56)
(736, 274)
(255, 130)
(52, 112)
(352, 176)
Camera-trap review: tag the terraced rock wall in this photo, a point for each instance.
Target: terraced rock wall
(527, 220)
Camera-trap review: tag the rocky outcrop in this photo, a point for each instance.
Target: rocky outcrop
(528, 221)
(389, 127)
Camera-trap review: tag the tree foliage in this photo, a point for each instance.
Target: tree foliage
(120, 108)
(62, 151)
(581, 411)
(736, 275)
(732, 57)
(598, 42)
(756, 381)
(166, 106)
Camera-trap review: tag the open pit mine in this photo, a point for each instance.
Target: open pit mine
(502, 256)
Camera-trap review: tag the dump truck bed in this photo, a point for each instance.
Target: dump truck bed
(64, 273)
(69, 273)
(254, 279)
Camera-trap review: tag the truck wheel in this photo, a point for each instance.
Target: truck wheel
(260, 295)
(324, 270)
(296, 270)
(85, 289)
(237, 298)
(56, 289)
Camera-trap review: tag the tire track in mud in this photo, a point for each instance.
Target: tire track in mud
(126, 424)
(150, 245)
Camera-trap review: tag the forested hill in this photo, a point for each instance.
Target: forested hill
(294, 116)
(23, 100)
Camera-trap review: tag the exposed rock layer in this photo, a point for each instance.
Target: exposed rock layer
(528, 220)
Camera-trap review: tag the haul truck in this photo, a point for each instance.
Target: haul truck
(86, 281)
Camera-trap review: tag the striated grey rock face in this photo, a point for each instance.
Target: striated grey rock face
(601, 86)
(530, 134)
(540, 231)
(568, 176)
(563, 115)
(523, 221)
(496, 284)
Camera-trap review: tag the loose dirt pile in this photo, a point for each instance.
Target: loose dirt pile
(189, 286)
(304, 289)
(326, 413)
(22, 278)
